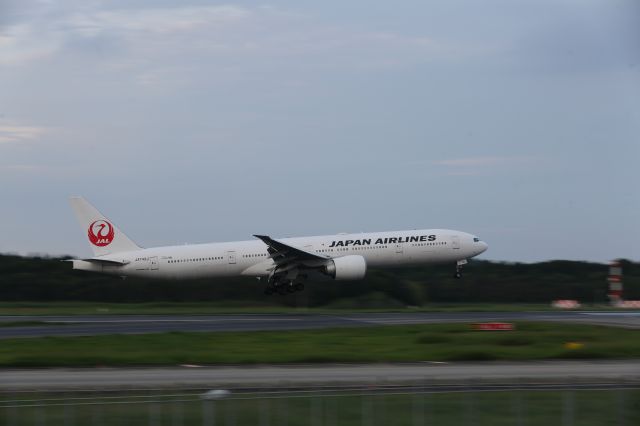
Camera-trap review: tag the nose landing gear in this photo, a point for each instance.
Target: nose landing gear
(459, 265)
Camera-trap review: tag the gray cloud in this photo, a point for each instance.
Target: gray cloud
(582, 37)
(14, 133)
(198, 121)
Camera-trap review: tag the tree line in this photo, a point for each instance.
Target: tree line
(52, 279)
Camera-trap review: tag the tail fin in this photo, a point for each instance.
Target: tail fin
(104, 237)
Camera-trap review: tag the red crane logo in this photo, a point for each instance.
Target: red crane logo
(101, 233)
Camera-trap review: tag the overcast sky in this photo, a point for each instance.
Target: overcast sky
(200, 121)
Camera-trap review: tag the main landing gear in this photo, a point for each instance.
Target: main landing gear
(283, 288)
(459, 265)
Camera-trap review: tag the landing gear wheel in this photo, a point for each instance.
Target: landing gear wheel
(459, 265)
(282, 290)
(299, 287)
(291, 288)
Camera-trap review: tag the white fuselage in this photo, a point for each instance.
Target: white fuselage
(251, 258)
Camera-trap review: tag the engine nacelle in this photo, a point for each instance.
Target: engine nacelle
(347, 268)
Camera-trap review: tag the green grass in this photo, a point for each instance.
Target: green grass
(26, 323)
(414, 343)
(88, 308)
(587, 408)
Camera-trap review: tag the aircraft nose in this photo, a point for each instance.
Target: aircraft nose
(483, 247)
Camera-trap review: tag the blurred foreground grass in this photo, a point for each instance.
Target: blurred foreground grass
(569, 408)
(406, 343)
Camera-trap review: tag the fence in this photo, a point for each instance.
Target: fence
(411, 405)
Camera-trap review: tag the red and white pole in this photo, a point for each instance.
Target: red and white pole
(615, 283)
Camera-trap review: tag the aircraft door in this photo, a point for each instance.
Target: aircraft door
(399, 257)
(455, 242)
(153, 263)
(231, 256)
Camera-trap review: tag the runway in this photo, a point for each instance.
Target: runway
(558, 372)
(301, 375)
(88, 325)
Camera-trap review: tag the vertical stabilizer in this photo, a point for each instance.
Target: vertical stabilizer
(104, 237)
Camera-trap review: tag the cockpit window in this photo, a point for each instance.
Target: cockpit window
(476, 239)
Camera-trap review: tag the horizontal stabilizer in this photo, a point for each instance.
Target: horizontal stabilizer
(107, 261)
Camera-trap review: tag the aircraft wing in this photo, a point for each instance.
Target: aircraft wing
(282, 253)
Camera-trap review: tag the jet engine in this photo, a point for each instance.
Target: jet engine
(347, 268)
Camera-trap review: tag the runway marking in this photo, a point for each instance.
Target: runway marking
(409, 321)
(165, 320)
(612, 314)
(427, 320)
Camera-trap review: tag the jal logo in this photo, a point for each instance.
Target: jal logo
(101, 233)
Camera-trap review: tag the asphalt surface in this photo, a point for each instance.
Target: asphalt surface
(86, 325)
(308, 375)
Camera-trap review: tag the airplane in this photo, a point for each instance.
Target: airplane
(285, 263)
